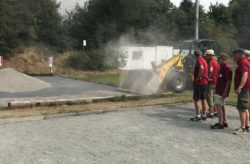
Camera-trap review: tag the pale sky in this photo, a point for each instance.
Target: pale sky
(70, 4)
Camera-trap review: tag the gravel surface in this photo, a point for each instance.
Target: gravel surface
(13, 82)
(150, 135)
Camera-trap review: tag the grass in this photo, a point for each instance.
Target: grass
(108, 79)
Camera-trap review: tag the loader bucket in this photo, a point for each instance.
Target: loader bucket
(141, 81)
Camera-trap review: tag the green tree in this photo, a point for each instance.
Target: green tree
(240, 15)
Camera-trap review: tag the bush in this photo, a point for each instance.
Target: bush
(79, 60)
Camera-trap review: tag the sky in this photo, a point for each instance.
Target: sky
(70, 4)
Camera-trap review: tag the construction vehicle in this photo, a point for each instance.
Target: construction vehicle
(175, 74)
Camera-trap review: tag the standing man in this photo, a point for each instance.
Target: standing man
(213, 72)
(242, 87)
(200, 83)
(223, 86)
(248, 58)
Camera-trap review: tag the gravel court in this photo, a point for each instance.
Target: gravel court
(155, 134)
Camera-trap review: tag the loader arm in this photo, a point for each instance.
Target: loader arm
(174, 62)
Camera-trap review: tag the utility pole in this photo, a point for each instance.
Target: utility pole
(197, 22)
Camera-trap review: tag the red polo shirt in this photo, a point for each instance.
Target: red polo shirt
(243, 66)
(204, 78)
(216, 68)
(225, 74)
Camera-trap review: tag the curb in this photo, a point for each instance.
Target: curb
(61, 101)
(55, 101)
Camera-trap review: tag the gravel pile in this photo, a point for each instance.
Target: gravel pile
(13, 81)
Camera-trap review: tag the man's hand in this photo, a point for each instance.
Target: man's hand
(238, 91)
(225, 94)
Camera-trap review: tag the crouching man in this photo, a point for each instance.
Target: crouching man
(222, 91)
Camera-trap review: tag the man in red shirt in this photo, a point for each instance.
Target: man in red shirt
(213, 72)
(223, 86)
(200, 83)
(248, 58)
(242, 87)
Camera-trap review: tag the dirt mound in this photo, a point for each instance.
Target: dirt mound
(13, 81)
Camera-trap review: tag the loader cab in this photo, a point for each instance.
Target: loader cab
(188, 47)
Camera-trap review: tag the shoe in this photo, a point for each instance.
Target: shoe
(195, 118)
(209, 115)
(247, 129)
(240, 131)
(215, 114)
(225, 125)
(203, 117)
(217, 126)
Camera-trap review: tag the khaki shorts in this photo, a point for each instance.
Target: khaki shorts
(210, 92)
(219, 100)
(243, 99)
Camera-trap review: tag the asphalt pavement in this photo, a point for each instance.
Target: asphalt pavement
(63, 88)
(144, 135)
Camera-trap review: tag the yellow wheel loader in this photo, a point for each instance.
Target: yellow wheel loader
(175, 74)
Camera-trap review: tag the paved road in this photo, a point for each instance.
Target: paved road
(63, 88)
(146, 135)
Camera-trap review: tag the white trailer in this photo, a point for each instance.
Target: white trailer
(141, 57)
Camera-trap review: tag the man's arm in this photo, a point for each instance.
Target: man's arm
(227, 88)
(211, 70)
(243, 82)
(201, 69)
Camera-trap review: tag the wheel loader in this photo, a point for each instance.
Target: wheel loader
(175, 74)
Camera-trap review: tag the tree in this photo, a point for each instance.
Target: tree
(241, 21)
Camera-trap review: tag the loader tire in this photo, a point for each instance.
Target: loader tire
(179, 82)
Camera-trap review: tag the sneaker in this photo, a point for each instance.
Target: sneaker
(195, 118)
(225, 125)
(209, 115)
(203, 117)
(217, 126)
(247, 129)
(240, 131)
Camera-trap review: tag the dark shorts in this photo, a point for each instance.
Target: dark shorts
(242, 104)
(199, 92)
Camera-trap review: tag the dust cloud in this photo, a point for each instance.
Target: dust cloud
(140, 81)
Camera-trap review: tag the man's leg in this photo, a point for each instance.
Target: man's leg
(242, 106)
(243, 119)
(204, 106)
(248, 109)
(196, 98)
(247, 118)
(209, 98)
(224, 114)
(220, 114)
(197, 107)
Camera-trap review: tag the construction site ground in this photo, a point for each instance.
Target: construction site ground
(152, 134)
